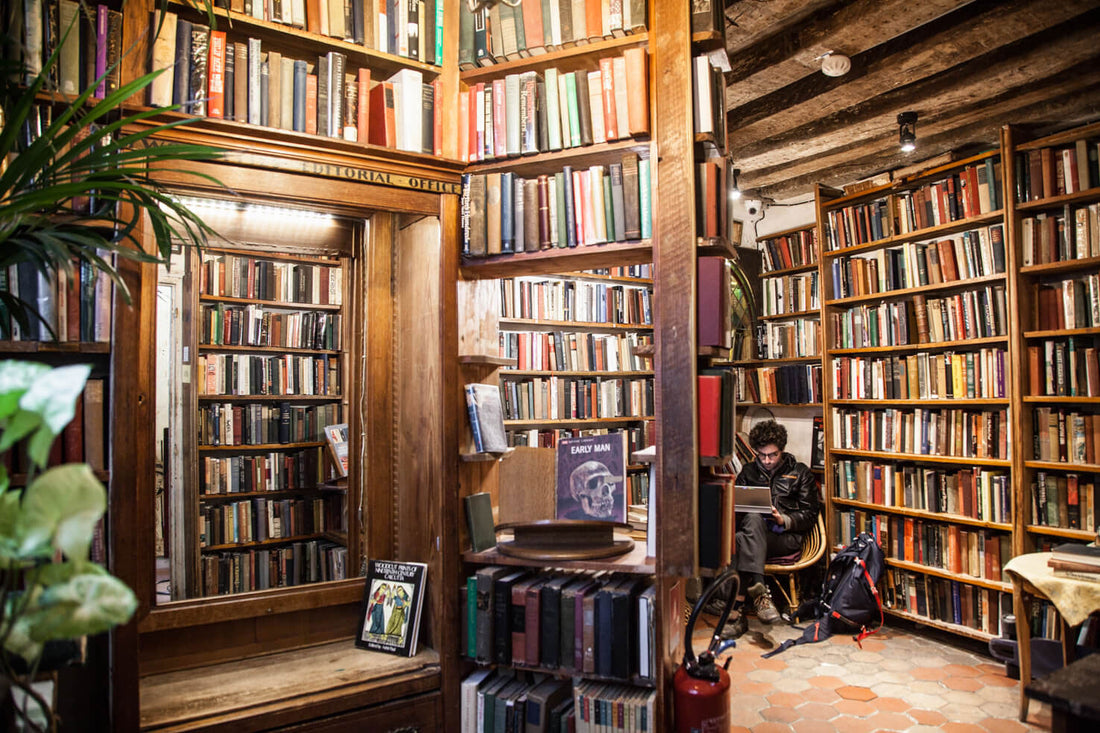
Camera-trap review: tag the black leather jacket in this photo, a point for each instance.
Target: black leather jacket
(794, 490)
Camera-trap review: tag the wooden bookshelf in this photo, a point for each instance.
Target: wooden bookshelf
(922, 514)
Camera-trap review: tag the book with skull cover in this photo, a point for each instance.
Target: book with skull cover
(591, 477)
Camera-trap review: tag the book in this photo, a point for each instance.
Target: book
(486, 414)
(393, 599)
(591, 477)
(479, 519)
(337, 438)
(1076, 553)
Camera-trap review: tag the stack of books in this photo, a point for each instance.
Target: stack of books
(1080, 562)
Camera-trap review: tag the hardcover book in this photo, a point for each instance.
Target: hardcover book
(591, 476)
(486, 418)
(392, 602)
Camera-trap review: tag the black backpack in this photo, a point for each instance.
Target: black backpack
(849, 599)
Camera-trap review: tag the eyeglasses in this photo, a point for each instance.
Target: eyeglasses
(770, 456)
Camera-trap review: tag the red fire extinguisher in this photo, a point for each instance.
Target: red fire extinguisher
(701, 688)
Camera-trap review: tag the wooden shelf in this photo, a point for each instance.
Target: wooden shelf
(55, 347)
(708, 40)
(785, 233)
(923, 514)
(262, 543)
(484, 457)
(709, 138)
(937, 346)
(633, 681)
(518, 373)
(486, 360)
(904, 292)
(773, 362)
(812, 267)
(634, 561)
(942, 625)
(714, 461)
(918, 458)
(1063, 266)
(571, 422)
(587, 155)
(716, 247)
(815, 405)
(939, 230)
(948, 575)
(812, 313)
(269, 398)
(1063, 466)
(1060, 332)
(1063, 532)
(551, 261)
(261, 447)
(937, 402)
(1058, 202)
(567, 59)
(637, 281)
(538, 324)
(712, 352)
(236, 496)
(277, 256)
(1060, 400)
(265, 349)
(279, 304)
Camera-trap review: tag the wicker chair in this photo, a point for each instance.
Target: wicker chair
(813, 549)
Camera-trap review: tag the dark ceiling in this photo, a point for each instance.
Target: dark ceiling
(966, 68)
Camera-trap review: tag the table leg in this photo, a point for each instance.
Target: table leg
(1069, 643)
(1021, 607)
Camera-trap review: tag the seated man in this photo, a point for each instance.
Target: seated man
(795, 504)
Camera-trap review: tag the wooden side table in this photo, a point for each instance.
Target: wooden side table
(1073, 600)
(1073, 693)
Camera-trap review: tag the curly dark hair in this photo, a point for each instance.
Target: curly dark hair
(768, 433)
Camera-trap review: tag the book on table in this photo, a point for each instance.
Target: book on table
(393, 599)
(1069, 552)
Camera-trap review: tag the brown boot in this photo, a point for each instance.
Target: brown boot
(762, 603)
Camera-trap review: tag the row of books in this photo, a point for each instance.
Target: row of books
(716, 542)
(949, 432)
(272, 471)
(789, 339)
(582, 623)
(210, 76)
(971, 314)
(572, 351)
(1071, 234)
(976, 493)
(264, 424)
(556, 299)
(713, 180)
(506, 699)
(857, 224)
(790, 384)
(253, 325)
(258, 520)
(972, 191)
(242, 276)
(947, 601)
(504, 33)
(234, 374)
(709, 96)
(529, 113)
(1066, 436)
(1070, 303)
(975, 253)
(1056, 171)
(790, 294)
(1068, 501)
(637, 436)
(925, 375)
(638, 272)
(717, 394)
(1064, 368)
(74, 306)
(951, 547)
(80, 441)
(790, 250)
(576, 398)
(503, 213)
(87, 38)
(713, 307)
(298, 563)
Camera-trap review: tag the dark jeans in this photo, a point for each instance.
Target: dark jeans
(756, 543)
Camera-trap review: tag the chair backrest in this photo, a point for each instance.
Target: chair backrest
(813, 548)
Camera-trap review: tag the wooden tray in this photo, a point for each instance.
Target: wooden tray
(564, 539)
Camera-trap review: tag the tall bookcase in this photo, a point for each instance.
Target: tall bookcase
(916, 320)
(1053, 190)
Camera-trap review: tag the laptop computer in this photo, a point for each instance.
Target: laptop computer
(754, 499)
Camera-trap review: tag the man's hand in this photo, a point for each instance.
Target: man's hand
(778, 517)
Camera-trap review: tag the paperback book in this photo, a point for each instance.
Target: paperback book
(393, 600)
(591, 475)
(337, 437)
(486, 418)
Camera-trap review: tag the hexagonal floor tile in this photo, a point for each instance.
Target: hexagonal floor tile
(851, 692)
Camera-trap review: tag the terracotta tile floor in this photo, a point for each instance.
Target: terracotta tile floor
(899, 681)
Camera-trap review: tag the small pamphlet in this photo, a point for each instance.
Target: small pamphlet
(591, 482)
(394, 597)
(337, 437)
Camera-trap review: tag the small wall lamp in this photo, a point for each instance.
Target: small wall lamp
(907, 132)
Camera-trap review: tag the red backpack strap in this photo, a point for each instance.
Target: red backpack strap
(864, 632)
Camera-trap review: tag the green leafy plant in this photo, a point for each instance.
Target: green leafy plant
(56, 152)
(49, 588)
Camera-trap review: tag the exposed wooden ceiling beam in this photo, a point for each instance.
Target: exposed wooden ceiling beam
(790, 52)
(1079, 102)
(952, 92)
(902, 62)
(750, 20)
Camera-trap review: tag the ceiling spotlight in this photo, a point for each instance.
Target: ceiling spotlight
(835, 64)
(907, 131)
(735, 189)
